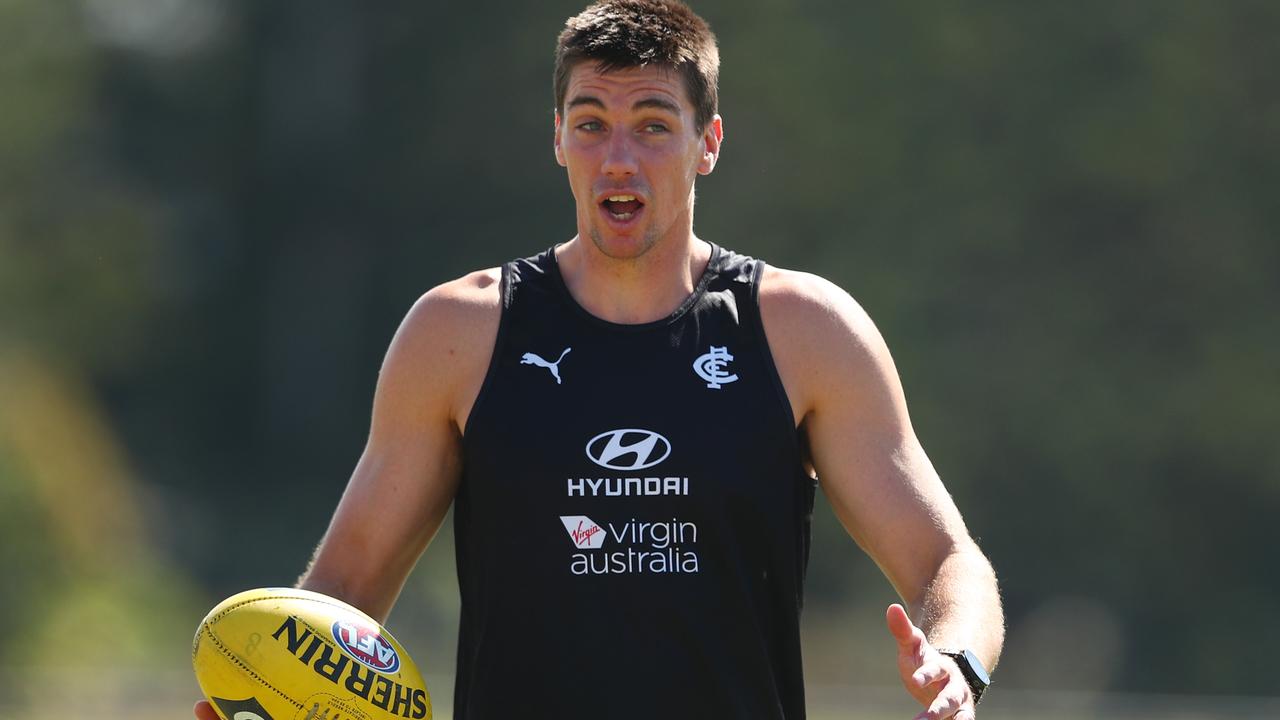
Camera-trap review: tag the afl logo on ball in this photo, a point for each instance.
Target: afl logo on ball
(367, 647)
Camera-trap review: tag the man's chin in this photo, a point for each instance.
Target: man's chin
(623, 247)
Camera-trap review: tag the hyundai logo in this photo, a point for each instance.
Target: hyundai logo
(628, 449)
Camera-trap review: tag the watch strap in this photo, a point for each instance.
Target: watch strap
(971, 667)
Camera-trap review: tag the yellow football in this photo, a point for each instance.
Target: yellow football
(285, 654)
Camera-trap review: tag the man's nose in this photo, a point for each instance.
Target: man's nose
(620, 157)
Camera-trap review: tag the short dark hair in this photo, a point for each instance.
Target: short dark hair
(619, 34)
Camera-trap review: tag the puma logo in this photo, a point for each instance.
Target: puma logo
(554, 367)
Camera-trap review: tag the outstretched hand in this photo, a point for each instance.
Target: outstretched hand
(931, 677)
(205, 711)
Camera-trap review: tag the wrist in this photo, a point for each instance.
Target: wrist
(975, 673)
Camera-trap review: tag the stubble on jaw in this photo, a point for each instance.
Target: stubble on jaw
(650, 239)
(651, 236)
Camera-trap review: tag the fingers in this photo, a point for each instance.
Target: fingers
(899, 623)
(928, 674)
(954, 701)
(910, 638)
(205, 711)
(922, 667)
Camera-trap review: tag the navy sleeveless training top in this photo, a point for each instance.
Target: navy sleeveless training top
(632, 524)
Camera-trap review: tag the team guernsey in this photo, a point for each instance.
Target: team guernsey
(632, 524)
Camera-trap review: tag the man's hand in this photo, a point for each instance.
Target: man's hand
(205, 711)
(931, 677)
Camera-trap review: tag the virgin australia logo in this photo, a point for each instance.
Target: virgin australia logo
(583, 531)
(554, 367)
(628, 449)
(710, 367)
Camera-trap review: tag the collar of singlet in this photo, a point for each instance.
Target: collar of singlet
(552, 268)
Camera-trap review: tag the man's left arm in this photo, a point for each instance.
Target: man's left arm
(842, 381)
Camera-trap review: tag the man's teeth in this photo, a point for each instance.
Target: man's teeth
(620, 199)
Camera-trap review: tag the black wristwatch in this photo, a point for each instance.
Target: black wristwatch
(974, 673)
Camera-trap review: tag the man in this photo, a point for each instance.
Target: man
(628, 426)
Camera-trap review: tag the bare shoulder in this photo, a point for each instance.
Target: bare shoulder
(821, 339)
(443, 346)
(451, 315)
(461, 299)
(810, 301)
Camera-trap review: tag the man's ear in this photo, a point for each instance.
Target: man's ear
(712, 138)
(559, 150)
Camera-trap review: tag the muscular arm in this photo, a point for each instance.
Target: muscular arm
(846, 392)
(408, 473)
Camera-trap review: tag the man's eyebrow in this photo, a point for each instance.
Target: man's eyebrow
(585, 100)
(657, 103)
(654, 103)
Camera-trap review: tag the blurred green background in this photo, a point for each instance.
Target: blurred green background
(1064, 218)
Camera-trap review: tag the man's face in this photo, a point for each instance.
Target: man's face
(629, 143)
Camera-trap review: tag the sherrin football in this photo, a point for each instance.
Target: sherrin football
(285, 654)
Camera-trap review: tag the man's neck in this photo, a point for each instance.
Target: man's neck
(635, 290)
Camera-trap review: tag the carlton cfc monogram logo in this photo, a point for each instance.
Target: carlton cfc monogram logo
(710, 367)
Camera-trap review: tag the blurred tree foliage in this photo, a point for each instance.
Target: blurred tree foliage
(78, 246)
(1063, 217)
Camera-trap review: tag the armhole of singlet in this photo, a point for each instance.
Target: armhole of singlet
(784, 402)
(504, 292)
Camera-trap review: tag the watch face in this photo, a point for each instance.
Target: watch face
(975, 665)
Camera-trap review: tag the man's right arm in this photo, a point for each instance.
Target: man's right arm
(409, 470)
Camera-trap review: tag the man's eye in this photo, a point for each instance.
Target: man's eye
(655, 128)
(589, 126)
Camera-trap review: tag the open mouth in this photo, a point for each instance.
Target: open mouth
(622, 207)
